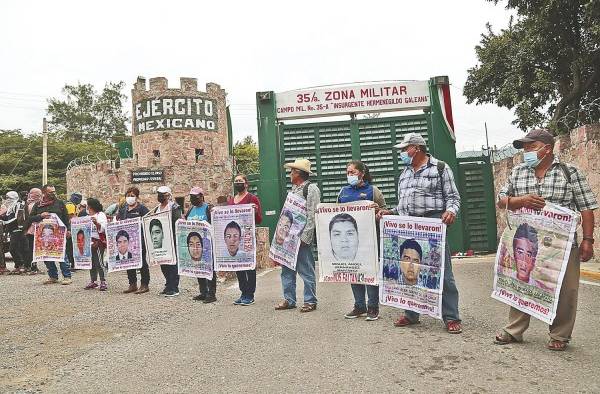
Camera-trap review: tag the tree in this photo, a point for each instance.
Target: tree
(545, 65)
(85, 115)
(245, 153)
(21, 159)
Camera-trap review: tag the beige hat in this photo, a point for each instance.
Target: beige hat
(300, 164)
(411, 139)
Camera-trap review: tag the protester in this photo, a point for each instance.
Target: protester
(166, 203)
(11, 215)
(246, 278)
(43, 209)
(426, 188)
(360, 188)
(99, 222)
(540, 179)
(133, 208)
(305, 263)
(200, 210)
(33, 197)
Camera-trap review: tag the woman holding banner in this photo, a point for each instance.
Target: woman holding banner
(246, 279)
(360, 188)
(99, 221)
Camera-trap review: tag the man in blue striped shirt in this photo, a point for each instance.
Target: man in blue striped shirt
(426, 188)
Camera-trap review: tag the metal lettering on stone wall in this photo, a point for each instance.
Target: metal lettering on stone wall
(175, 113)
(142, 176)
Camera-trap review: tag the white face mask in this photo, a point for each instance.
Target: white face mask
(130, 200)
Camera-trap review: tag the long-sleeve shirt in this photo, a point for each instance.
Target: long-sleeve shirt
(249, 199)
(423, 191)
(312, 199)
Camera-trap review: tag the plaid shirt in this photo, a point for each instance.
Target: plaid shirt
(423, 191)
(554, 188)
(312, 199)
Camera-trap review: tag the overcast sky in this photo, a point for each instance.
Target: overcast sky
(245, 47)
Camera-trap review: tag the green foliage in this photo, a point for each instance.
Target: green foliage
(245, 153)
(85, 115)
(545, 65)
(21, 159)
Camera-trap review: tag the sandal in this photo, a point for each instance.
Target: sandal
(308, 308)
(284, 305)
(504, 338)
(453, 327)
(556, 345)
(403, 322)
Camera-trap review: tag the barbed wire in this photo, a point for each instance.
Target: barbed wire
(91, 159)
(584, 114)
(504, 152)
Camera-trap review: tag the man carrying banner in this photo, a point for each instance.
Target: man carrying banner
(543, 178)
(426, 188)
(305, 263)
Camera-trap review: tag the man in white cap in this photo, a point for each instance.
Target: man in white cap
(426, 188)
(12, 207)
(165, 198)
(305, 263)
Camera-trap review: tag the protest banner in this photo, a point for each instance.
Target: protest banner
(158, 236)
(81, 235)
(532, 259)
(347, 243)
(234, 237)
(124, 244)
(49, 240)
(412, 263)
(286, 241)
(194, 240)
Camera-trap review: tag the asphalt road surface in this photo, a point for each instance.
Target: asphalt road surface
(63, 339)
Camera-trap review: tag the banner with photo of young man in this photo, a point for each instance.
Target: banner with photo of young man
(158, 237)
(234, 235)
(49, 240)
(347, 243)
(286, 241)
(81, 235)
(124, 244)
(194, 240)
(412, 263)
(532, 259)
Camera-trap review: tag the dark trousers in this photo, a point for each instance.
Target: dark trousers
(208, 287)
(247, 282)
(16, 248)
(97, 265)
(29, 253)
(171, 277)
(69, 253)
(144, 272)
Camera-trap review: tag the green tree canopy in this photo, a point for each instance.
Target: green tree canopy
(21, 159)
(245, 153)
(545, 65)
(84, 115)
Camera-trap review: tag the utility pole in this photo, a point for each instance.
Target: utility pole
(487, 142)
(45, 153)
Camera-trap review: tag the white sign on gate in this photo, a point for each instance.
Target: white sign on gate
(362, 98)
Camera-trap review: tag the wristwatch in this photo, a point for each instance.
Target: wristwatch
(589, 239)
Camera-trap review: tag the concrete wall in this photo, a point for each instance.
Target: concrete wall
(581, 148)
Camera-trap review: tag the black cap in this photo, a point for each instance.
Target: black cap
(76, 198)
(535, 135)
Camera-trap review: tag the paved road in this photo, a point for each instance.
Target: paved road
(61, 339)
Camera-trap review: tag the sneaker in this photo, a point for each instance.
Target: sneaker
(50, 281)
(66, 281)
(171, 293)
(247, 301)
(199, 297)
(103, 286)
(372, 314)
(209, 299)
(355, 313)
(164, 291)
(91, 285)
(238, 301)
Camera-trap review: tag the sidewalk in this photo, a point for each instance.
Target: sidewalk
(591, 269)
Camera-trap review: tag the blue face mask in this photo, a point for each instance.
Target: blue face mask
(531, 159)
(353, 180)
(406, 159)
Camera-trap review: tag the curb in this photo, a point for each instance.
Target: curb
(590, 274)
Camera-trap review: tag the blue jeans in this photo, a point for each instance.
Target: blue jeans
(449, 295)
(359, 296)
(305, 266)
(53, 272)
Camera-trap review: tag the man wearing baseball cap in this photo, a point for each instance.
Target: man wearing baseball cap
(165, 198)
(426, 188)
(539, 179)
(305, 262)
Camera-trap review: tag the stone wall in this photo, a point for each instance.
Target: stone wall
(581, 147)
